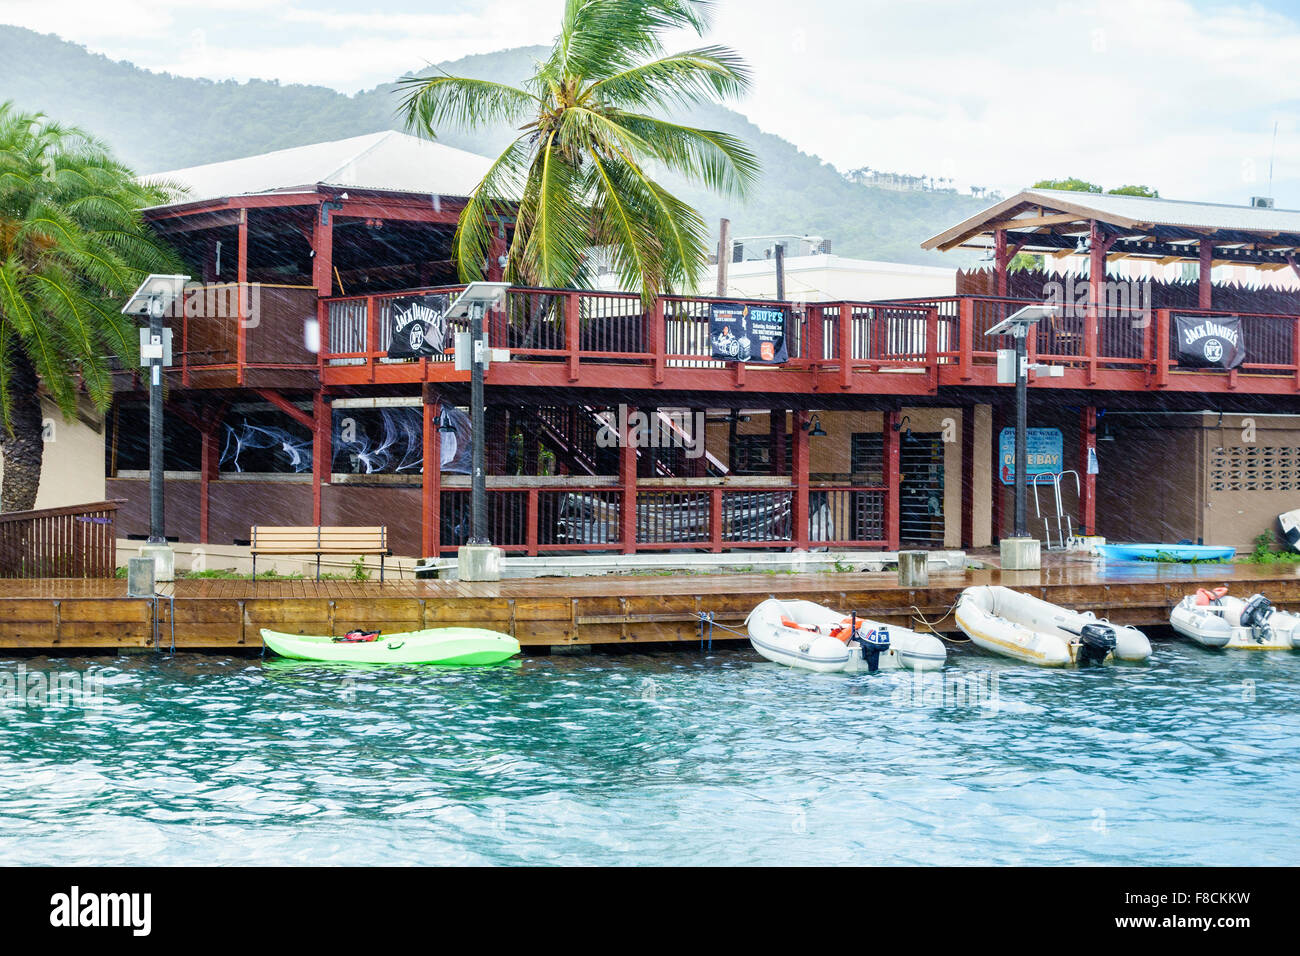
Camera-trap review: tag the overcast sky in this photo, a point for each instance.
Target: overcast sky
(1172, 93)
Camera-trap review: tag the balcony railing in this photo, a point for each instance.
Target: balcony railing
(74, 542)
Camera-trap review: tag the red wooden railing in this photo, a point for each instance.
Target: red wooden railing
(75, 542)
(552, 519)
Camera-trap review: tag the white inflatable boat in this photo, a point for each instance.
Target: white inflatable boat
(1213, 618)
(807, 635)
(1018, 625)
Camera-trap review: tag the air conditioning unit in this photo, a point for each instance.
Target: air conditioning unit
(1262, 202)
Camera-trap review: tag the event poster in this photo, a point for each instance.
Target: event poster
(746, 333)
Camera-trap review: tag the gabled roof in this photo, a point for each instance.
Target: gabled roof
(389, 161)
(1046, 220)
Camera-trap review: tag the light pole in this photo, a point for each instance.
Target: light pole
(478, 560)
(1017, 325)
(153, 300)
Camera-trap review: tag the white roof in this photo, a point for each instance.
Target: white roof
(1177, 212)
(390, 161)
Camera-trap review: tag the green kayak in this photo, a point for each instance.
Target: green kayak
(439, 645)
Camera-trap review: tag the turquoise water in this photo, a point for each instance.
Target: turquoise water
(675, 757)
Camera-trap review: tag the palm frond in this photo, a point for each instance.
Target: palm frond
(429, 102)
(681, 79)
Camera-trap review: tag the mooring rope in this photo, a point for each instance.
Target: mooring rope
(931, 625)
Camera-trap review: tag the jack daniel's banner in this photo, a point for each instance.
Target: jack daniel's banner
(744, 333)
(419, 326)
(1210, 342)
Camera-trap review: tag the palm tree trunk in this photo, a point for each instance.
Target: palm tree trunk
(24, 449)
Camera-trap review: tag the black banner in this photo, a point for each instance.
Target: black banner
(747, 333)
(1209, 341)
(419, 326)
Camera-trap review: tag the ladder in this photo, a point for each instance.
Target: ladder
(1057, 528)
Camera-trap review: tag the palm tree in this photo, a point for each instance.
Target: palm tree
(578, 175)
(72, 245)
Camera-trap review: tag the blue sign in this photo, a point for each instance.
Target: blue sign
(1044, 454)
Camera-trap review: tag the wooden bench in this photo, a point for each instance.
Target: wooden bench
(265, 539)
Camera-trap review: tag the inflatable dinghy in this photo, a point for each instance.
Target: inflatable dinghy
(1018, 625)
(808, 635)
(1213, 618)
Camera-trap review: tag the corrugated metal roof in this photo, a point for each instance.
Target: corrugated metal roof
(391, 161)
(1176, 212)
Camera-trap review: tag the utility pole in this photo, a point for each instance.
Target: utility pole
(780, 272)
(724, 255)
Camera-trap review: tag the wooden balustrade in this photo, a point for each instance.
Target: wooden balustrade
(74, 542)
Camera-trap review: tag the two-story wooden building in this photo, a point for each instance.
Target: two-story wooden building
(288, 402)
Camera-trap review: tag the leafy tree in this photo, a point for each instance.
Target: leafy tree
(579, 171)
(72, 245)
(1146, 191)
(1073, 184)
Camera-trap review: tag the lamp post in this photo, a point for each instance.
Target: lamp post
(152, 301)
(477, 560)
(1020, 552)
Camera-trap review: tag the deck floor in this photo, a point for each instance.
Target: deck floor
(215, 614)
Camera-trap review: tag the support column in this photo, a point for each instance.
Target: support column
(431, 480)
(1204, 285)
(210, 462)
(322, 451)
(968, 476)
(1098, 245)
(800, 452)
(1001, 261)
(893, 479)
(627, 485)
(1087, 482)
(242, 297)
(776, 435)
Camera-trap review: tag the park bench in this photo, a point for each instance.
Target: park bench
(266, 539)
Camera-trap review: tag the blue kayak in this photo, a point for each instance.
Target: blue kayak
(1166, 552)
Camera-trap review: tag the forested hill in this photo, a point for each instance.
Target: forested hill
(156, 121)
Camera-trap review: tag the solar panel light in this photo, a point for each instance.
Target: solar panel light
(1017, 322)
(155, 296)
(485, 295)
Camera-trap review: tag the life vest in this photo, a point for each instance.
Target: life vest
(357, 637)
(1206, 596)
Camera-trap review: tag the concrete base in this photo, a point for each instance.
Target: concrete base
(1021, 554)
(164, 561)
(477, 562)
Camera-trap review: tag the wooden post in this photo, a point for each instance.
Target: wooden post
(1162, 348)
(1204, 283)
(893, 479)
(322, 273)
(968, 476)
(800, 451)
(431, 480)
(845, 332)
(627, 482)
(372, 334)
(572, 332)
(715, 519)
(724, 256)
(1096, 284)
(1087, 482)
(658, 339)
(210, 462)
(241, 281)
(322, 451)
(966, 338)
(816, 343)
(776, 436)
(1000, 259)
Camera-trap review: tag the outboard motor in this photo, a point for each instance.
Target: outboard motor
(1096, 642)
(1257, 611)
(873, 644)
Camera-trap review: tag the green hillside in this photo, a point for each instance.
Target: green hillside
(156, 121)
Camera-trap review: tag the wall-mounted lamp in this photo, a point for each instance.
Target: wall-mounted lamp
(904, 425)
(814, 428)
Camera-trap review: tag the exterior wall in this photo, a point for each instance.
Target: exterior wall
(1246, 483)
(1148, 487)
(72, 466)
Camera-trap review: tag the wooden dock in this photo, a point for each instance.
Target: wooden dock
(226, 615)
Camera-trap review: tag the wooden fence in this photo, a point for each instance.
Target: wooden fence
(75, 542)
